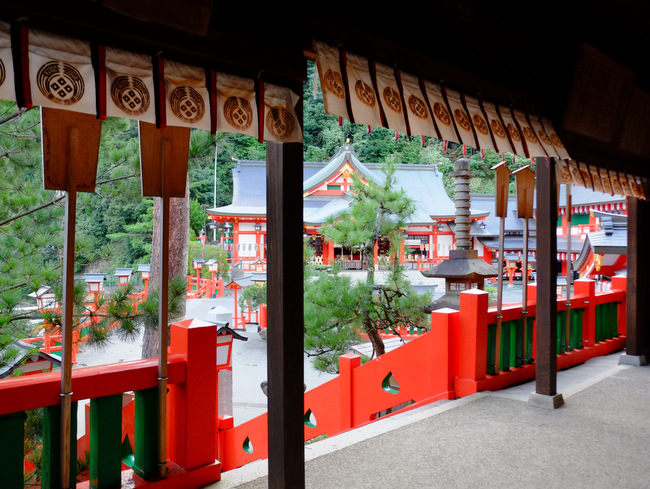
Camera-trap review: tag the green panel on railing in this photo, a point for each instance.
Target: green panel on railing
(491, 334)
(146, 433)
(561, 331)
(12, 440)
(106, 442)
(51, 475)
(576, 328)
(606, 321)
(511, 345)
(524, 356)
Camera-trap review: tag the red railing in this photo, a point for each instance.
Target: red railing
(191, 423)
(449, 361)
(204, 287)
(452, 360)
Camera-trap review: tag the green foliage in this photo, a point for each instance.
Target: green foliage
(149, 309)
(208, 252)
(338, 310)
(331, 304)
(198, 217)
(253, 295)
(378, 209)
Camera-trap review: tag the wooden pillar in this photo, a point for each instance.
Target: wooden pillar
(546, 359)
(285, 315)
(637, 344)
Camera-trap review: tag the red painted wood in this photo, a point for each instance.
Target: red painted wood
(22, 393)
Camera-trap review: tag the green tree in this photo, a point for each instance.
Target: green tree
(378, 209)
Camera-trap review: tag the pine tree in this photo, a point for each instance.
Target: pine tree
(336, 309)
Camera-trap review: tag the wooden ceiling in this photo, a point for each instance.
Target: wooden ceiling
(578, 63)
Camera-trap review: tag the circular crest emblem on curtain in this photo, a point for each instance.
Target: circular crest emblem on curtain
(60, 82)
(497, 128)
(418, 107)
(514, 134)
(462, 119)
(544, 137)
(480, 124)
(392, 99)
(555, 139)
(365, 93)
(187, 104)
(441, 113)
(529, 135)
(334, 83)
(3, 72)
(130, 95)
(280, 122)
(238, 112)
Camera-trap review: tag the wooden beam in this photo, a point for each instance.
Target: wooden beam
(546, 358)
(637, 344)
(285, 315)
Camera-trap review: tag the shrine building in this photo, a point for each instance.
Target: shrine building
(326, 194)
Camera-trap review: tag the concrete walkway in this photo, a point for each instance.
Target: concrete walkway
(599, 438)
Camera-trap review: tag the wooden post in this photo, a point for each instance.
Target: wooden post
(285, 315)
(546, 359)
(70, 151)
(637, 343)
(163, 165)
(525, 182)
(569, 271)
(502, 174)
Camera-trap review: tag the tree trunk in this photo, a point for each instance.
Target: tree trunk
(375, 339)
(179, 232)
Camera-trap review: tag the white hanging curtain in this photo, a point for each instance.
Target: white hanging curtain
(129, 86)
(7, 90)
(61, 74)
(281, 123)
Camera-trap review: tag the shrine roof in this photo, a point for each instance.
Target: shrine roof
(422, 183)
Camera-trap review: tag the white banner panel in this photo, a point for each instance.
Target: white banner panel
(61, 73)
(419, 116)
(441, 113)
(129, 86)
(236, 106)
(461, 118)
(390, 98)
(7, 90)
(512, 130)
(186, 96)
(481, 127)
(331, 79)
(363, 99)
(281, 124)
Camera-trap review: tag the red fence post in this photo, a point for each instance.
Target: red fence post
(347, 363)
(619, 282)
(586, 286)
(193, 403)
(472, 334)
(444, 327)
(263, 312)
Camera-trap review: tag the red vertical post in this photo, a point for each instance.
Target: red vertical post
(193, 404)
(347, 363)
(262, 316)
(472, 334)
(445, 345)
(586, 286)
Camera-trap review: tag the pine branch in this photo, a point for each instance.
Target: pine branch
(13, 116)
(31, 211)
